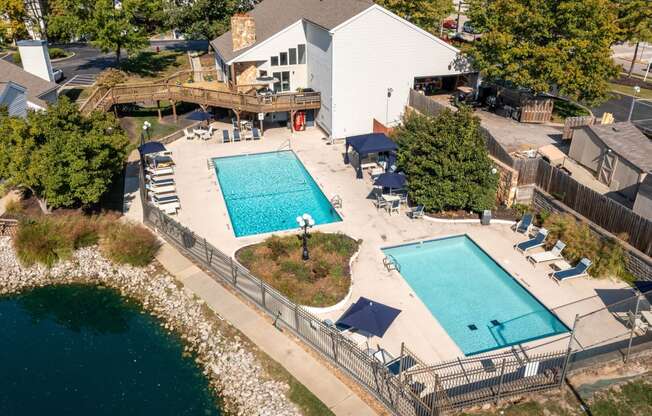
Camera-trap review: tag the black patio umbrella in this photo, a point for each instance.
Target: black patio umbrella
(199, 115)
(368, 316)
(391, 180)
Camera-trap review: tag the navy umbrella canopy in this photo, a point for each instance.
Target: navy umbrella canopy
(151, 147)
(390, 180)
(366, 144)
(644, 286)
(198, 115)
(369, 316)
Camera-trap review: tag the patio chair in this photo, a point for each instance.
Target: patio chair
(523, 226)
(535, 242)
(225, 136)
(188, 135)
(551, 255)
(395, 206)
(380, 201)
(236, 135)
(579, 270)
(416, 212)
(208, 134)
(256, 133)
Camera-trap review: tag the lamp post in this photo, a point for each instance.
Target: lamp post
(305, 222)
(637, 90)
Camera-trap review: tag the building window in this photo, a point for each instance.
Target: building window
(285, 81)
(302, 54)
(263, 73)
(293, 56)
(284, 58)
(277, 84)
(274, 60)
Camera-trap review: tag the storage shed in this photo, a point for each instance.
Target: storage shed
(619, 155)
(643, 204)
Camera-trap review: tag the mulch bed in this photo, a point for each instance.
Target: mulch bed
(632, 82)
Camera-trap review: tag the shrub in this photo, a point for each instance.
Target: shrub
(56, 53)
(276, 247)
(40, 241)
(111, 77)
(607, 255)
(14, 207)
(81, 230)
(129, 243)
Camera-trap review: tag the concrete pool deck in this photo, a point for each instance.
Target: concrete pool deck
(204, 211)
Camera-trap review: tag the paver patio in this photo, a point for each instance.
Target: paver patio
(204, 211)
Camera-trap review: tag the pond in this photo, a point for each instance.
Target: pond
(82, 350)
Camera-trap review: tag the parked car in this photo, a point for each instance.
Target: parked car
(468, 33)
(57, 74)
(450, 24)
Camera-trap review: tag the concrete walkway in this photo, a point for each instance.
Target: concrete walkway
(303, 366)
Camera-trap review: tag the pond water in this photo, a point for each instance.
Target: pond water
(82, 350)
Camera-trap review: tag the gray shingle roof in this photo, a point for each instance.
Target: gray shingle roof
(36, 87)
(628, 142)
(272, 16)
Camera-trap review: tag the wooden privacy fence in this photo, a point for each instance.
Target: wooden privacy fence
(572, 123)
(600, 209)
(421, 391)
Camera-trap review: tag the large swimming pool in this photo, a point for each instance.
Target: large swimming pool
(266, 192)
(478, 303)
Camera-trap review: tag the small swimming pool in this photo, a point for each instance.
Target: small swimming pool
(266, 192)
(478, 303)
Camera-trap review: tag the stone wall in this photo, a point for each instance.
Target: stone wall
(243, 31)
(507, 183)
(245, 73)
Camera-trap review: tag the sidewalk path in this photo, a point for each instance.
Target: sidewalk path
(303, 366)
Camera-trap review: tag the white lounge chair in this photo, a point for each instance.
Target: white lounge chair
(551, 255)
(188, 135)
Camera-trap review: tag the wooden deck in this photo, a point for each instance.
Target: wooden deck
(104, 98)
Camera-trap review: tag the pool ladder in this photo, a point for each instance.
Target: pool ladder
(391, 263)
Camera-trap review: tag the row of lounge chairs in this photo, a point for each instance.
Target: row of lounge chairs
(160, 185)
(239, 136)
(554, 254)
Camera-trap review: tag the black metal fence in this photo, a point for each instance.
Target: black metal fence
(405, 385)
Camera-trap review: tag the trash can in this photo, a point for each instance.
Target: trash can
(486, 217)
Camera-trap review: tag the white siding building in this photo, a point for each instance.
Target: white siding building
(362, 58)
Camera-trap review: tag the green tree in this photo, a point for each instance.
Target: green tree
(13, 16)
(558, 46)
(202, 19)
(64, 158)
(446, 162)
(635, 23)
(427, 14)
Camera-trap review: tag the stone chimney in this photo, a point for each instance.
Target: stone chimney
(243, 31)
(35, 58)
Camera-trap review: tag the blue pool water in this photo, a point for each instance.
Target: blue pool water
(266, 192)
(479, 304)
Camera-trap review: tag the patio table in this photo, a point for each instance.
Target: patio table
(389, 197)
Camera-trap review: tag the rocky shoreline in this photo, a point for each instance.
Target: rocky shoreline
(233, 371)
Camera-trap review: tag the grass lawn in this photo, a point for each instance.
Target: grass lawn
(77, 94)
(148, 65)
(564, 109)
(321, 281)
(132, 120)
(627, 90)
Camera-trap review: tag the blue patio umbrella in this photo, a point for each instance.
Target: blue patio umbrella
(644, 287)
(369, 316)
(390, 180)
(151, 147)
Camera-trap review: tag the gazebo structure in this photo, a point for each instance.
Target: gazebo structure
(367, 144)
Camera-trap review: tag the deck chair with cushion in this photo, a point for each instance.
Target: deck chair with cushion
(551, 255)
(236, 135)
(380, 202)
(256, 133)
(225, 136)
(523, 226)
(535, 242)
(578, 271)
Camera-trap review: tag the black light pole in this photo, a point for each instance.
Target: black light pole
(305, 222)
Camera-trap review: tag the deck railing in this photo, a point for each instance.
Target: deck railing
(178, 88)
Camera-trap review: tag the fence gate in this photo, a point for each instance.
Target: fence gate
(607, 167)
